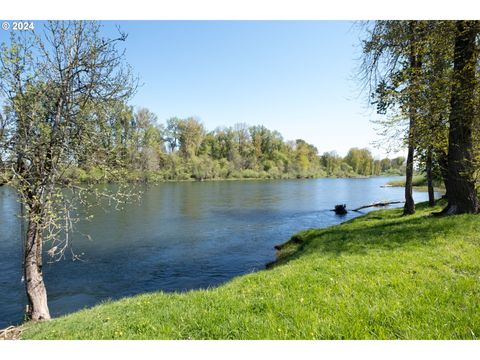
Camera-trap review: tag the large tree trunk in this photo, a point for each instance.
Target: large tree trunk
(462, 197)
(36, 291)
(429, 165)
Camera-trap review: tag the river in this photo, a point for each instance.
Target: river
(179, 236)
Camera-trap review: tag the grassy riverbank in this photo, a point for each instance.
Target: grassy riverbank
(380, 276)
(80, 177)
(419, 183)
(96, 176)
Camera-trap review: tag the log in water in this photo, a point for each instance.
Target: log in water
(378, 204)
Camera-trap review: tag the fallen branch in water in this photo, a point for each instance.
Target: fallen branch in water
(378, 205)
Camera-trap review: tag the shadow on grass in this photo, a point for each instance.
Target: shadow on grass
(378, 230)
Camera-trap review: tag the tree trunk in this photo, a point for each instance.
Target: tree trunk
(442, 159)
(431, 193)
(462, 197)
(409, 207)
(36, 291)
(415, 65)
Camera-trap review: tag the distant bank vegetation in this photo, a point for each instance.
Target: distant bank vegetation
(140, 148)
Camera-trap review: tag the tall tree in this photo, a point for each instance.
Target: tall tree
(390, 70)
(190, 136)
(414, 73)
(407, 65)
(172, 133)
(462, 196)
(432, 124)
(54, 84)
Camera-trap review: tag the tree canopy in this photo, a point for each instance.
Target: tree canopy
(424, 76)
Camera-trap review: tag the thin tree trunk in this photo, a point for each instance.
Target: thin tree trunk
(442, 159)
(409, 207)
(35, 287)
(415, 64)
(462, 197)
(431, 192)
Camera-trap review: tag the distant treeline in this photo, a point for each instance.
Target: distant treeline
(182, 149)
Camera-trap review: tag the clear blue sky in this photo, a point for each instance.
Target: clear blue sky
(296, 77)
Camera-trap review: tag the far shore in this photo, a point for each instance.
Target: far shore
(191, 180)
(419, 184)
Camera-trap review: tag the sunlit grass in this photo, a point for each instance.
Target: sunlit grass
(418, 182)
(380, 276)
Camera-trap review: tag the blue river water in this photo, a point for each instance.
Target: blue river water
(179, 236)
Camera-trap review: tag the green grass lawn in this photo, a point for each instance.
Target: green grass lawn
(380, 276)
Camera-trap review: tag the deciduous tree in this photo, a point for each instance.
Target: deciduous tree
(55, 84)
